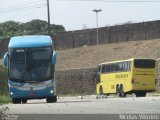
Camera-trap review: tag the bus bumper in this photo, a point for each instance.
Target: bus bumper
(37, 90)
(28, 94)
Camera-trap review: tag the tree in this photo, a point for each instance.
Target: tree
(41, 27)
(34, 27)
(9, 28)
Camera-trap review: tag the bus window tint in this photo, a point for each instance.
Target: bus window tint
(41, 54)
(107, 68)
(120, 66)
(129, 66)
(142, 63)
(116, 67)
(103, 68)
(18, 57)
(17, 64)
(125, 66)
(112, 67)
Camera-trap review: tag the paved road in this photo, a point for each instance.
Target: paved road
(89, 105)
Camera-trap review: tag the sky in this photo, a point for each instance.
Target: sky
(77, 15)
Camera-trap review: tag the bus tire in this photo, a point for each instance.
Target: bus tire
(122, 93)
(100, 90)
(51, 99)
(141, 94)
(118, 91)
(24, 100)
(107, 94)
(137, 94)
(16, 101)
(55, 98)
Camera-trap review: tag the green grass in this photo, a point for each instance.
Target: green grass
(4, 99)
(157, 93)
(0, 61)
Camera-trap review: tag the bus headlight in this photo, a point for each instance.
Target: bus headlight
(51, 91)
(11, 93)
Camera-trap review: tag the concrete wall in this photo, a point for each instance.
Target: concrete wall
(119, 33)
(76, 81)
(3, 46)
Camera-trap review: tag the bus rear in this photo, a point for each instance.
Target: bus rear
(143, 76)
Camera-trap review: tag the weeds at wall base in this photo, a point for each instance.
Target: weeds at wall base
(4, 99)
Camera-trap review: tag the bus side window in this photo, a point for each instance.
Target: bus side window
(116, 67)
(111, 68)
(125, 66)
(107, 68)
(120, 66)
(103, 68)
(129, 66)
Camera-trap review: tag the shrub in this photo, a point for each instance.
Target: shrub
(3, 81)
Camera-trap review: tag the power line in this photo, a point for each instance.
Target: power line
(124, 1)
(23, 6)
(20, 5)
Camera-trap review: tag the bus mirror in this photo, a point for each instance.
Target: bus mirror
(54, 57)
(98, 73)
(5, 60)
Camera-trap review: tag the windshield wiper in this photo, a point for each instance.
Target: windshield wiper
(16, 80)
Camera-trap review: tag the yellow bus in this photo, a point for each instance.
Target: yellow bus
(137, 75)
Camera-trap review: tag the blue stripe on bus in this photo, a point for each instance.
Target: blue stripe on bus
(30, 41)
(31, 94)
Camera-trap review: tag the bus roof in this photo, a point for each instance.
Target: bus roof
(30, 41)
(124, 60)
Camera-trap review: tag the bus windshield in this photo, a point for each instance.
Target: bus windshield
(144, 63)
(31, 64)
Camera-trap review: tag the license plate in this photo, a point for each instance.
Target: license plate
(31, 94)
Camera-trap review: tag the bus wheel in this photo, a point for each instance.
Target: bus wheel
(141, 94)
(51, 99)
(16, 101)
(100, 90)
(122, 93)
(55, 98)
(118, 91)
(137, 94)
(24, 100)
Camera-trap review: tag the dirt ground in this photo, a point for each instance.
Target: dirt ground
(90, 56)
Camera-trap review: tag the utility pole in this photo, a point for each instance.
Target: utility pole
(96, 11)
(49, 32)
